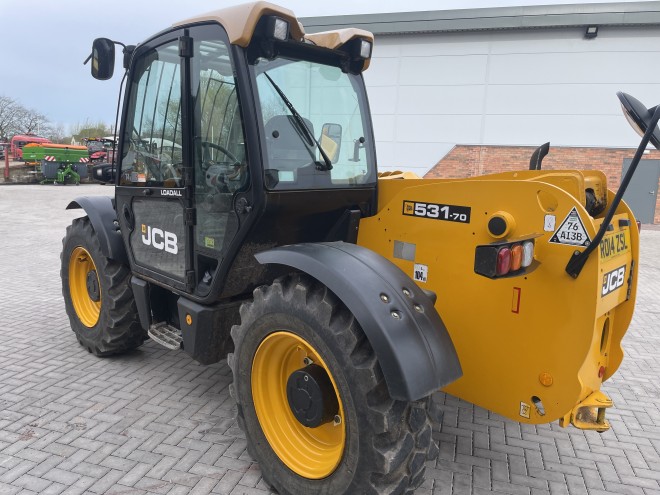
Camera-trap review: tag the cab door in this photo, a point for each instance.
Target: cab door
(153, 203)
(222, 195)
(184, 189)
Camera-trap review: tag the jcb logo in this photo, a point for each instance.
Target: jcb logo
(163, 240)
(613, 280)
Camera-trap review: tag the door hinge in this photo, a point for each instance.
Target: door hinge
(190, 216)
(190, 279)
(187, 175)
(185, 47)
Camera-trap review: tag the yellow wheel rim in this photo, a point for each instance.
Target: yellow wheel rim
(80, 265)
(312, 453)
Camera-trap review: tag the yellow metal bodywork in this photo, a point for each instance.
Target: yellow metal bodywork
(531, 346)
(312, 453)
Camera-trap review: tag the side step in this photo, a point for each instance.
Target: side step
(166, 335)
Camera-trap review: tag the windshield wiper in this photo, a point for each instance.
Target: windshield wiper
(302, 125)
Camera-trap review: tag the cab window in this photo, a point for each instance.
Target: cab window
(331, 114)
(152, 153)
(219, 153)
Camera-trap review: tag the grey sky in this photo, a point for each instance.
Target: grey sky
(44, 43)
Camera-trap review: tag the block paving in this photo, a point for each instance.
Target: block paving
(156, 422)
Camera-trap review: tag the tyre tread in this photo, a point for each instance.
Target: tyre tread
(401, 442)
(121, 330)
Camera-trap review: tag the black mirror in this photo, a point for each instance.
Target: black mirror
(103, 58)
(639, 117)
(331, 141)
(105, 172)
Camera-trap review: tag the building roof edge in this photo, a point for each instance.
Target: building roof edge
(498, 18)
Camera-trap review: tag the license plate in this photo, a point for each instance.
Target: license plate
(614, 244)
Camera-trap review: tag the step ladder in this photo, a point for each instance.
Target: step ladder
(166, 335)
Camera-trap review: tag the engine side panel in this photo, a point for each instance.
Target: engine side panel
(521, 339)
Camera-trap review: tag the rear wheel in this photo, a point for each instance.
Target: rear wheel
(313, 402)
(97, 294)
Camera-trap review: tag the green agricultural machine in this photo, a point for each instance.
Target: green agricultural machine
(59, 163)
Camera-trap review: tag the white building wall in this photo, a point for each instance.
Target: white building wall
(429, 92)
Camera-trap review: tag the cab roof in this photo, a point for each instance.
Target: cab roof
(240, 22)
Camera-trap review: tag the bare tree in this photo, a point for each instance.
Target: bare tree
(57, 134)
(9, 111)
(31, 122)
(16, 119)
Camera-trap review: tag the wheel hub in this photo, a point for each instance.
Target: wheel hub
(92, 283)
(311, 396)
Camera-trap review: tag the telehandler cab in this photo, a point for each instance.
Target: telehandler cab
(249, 223)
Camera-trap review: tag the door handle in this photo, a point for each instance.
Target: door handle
(128, 216)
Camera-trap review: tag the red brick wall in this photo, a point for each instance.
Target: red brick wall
(467, 161)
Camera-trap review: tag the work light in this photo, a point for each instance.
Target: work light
(277, 28)
(365, 49)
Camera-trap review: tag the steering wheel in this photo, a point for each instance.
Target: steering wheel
(225, 151)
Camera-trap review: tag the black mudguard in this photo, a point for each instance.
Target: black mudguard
(407, 334)
(102, 214)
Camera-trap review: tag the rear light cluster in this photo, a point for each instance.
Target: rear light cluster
(504, 259)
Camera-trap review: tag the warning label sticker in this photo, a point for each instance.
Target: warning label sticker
(524, 409)
(571, 231)
(549, 223)
(421, 273)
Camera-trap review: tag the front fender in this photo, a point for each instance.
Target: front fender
(102, 214)
(408, 336)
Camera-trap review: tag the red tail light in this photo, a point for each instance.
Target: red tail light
(502, 258)
(503, 261)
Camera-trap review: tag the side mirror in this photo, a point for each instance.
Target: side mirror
(639, 117)
(103, 58)
(331, 141)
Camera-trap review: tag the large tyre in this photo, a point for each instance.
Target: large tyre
(97, 294)
(367, 443)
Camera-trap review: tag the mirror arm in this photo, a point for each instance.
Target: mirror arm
(359, 144)
(579, 258)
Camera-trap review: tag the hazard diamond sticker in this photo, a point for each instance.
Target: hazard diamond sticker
(571, 231)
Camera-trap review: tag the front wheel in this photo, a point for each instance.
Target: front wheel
(97, 294)
(313, 402)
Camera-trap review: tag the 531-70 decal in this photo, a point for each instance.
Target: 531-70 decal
(449, 213)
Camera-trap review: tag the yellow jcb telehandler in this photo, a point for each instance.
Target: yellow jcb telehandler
(249, 223)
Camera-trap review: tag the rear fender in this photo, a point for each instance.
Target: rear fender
(102, 214)
(410, 340)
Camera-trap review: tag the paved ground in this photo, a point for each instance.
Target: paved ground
(156, 422)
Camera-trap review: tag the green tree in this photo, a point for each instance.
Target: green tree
(89, 129)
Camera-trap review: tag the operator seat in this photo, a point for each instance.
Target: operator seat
(286, 144)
